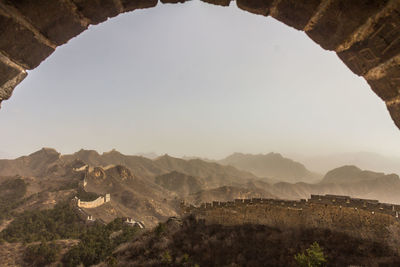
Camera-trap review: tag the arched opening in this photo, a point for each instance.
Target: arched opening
(368, 42)
(250, 88)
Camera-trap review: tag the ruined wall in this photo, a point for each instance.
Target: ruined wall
(357, 217)
(364, 34)
(91, 204)
(95, 203)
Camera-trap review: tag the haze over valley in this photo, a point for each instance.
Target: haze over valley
(150, 190)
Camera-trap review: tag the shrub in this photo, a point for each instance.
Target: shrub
(314, 257)
(12, 192)
(59, 222)
(41, 254)
(96, 244)
(160, 229)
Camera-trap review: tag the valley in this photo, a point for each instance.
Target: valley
(150, 191)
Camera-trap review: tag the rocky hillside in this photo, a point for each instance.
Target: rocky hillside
(131, 196)
(141, 166)
(180, 183)
(190, 243)
(150, 190)
(272, 165)
(213, 173)
(42, 162)
(144, 189)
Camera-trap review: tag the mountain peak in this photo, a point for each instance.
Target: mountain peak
(271, 165)
(112, 152)
(350, 174)
(87, 151)
(45, 151)
(165, 157)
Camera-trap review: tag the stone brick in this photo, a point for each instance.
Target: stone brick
(130, 5)
(380, 45)
(394, 110)
(54, 18)
(172, 1)
(9, 79)
(260, 7)
(20, 44)
(341, 19)
(7, 73)
(97, 10)
(218, 2)
(296, 13)
(388, 86)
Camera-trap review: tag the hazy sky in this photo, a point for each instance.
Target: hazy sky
(195, 79)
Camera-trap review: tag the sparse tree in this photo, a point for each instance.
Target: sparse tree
(314, 257)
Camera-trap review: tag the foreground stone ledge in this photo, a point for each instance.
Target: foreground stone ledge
(7, 88)
(296, 13)
(130, 5)
(382, 44)
(394, 110)
(260, 7)
(20, 44)
(7, 73)
(98, 10)
(388, 86)
(56, 19)
(218, 2)
(173, 1)
(340, 19)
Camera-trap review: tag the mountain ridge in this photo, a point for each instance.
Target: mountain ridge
(271, 165)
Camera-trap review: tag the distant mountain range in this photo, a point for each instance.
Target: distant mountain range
(141, 188)
(273, 166)
(364, 160)
(151, 190)
(346, 180)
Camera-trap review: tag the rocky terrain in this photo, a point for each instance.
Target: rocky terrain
(190, 242)
(151, 191)
(144, 189)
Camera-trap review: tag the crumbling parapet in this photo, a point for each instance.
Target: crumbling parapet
(371, 205)
(373, 220)
(95, 203)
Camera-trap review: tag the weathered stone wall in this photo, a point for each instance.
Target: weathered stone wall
(364, 34)
(91, 204)
(95, 203)
(358, 217)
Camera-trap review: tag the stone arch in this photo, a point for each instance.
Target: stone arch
(365, 34)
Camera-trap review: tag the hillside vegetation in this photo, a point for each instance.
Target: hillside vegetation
(96, 241)
(12, 192)
(150, 190)
(35, 191)
(190, 242)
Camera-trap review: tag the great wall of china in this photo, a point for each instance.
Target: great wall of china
(363, 218)
(95, 203)
(85, 215)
